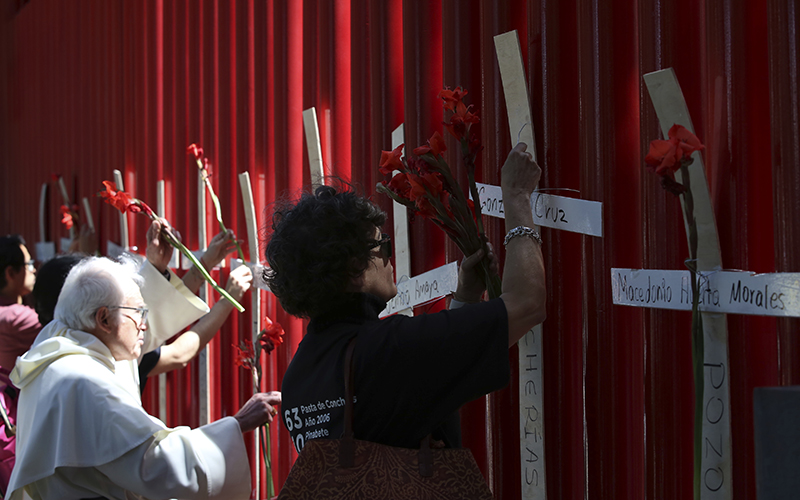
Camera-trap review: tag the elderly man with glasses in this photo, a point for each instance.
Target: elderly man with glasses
(82, 432)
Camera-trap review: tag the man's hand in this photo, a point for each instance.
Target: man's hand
(259, 409)
(159, 251)
(239, 281)
(470, 286)
(220, 245)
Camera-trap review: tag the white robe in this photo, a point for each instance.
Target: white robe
(82, 434)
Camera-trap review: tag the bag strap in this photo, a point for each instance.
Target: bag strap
(347, 449)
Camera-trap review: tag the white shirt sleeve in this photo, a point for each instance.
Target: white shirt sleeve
(209, 462)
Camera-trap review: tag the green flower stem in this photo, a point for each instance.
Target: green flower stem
(698, 347)
(266, 450)
(217, 208)
(189, 255)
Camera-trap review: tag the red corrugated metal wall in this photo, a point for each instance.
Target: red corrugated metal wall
(93, 85)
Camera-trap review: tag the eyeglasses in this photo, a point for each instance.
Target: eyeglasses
(31, 265)
(386, 245)
(142, 314)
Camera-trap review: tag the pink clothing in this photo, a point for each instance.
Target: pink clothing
(19, 326)
(8, 398)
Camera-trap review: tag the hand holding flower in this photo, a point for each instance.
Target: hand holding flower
(239, 282)
(470, 286)
(220, 246)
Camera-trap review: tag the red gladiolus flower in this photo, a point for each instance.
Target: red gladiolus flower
(390, 160)
(271, 336)
(400, 185)
(122, 201)
(417, 187)
(244, 355)
(195, 151)
(662, 157)
(451, 98)
(66, 217)
(456, 127)
(435, 146)
(666, 157)
(686, 142)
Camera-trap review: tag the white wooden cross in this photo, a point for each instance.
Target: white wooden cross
(162, 377)
(314, 148)
(663, 288)
(65, 243)
(531, 402)
(45, 250)
(203, 360)
(255, 297)
(87, 209)
(114, 250)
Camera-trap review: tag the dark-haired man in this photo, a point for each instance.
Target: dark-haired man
(19, 323)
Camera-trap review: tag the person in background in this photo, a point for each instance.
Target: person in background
(19, 324)
(330, 262)
(82, 434)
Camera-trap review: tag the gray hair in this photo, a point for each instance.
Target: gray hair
(93, 283)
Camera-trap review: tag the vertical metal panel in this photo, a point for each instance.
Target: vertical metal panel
(610, 170)
(783, 31)
(554, 88)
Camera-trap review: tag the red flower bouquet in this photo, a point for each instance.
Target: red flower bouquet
(425, 184)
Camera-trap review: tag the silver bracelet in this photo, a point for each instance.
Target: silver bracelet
(522, 231)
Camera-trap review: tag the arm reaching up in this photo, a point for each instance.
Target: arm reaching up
(190, 343)
(524, 290)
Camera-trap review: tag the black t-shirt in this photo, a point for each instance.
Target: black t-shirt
(411, 373)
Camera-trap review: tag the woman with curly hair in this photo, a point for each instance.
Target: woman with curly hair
(330, 262)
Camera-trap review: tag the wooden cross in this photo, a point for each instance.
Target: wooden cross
(666, 287)
(314, 148)
(88, 211)
(162, 377)
(531, 402)
(203, 360)
(45, 250)
(255, 297)
(114, 250)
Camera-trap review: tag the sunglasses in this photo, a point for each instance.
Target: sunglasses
(386, 245)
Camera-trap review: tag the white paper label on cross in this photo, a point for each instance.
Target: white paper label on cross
(716, 465)
(531, 444)
(730, 292)
(432, 285)
(557, 212)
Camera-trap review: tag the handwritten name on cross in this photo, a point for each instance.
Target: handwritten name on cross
(531, 386)
(664, 289)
